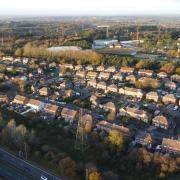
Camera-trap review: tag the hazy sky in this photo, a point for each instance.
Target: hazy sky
(88, 7)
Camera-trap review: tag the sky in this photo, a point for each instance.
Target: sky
(89, 7)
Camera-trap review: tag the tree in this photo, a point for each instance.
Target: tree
(140, 64)
(115, 138)
(169, 68)
(94, 176)
(178, 71)
(109, 175)
(67, 167)
(18, 52)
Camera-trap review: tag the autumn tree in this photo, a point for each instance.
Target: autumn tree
(94, 176)
(67, 167)
(115, 138)
(18, 52)
(169, 68)
(140, 64)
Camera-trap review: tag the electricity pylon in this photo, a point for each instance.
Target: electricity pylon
(81, 135)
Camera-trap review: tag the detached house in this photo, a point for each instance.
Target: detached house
(152, 96)
(175, 77)
(35, 104)
(69, 115)
(92, 75)
(170, 85)
(112, 88)
(20, 100)
(92, 83)
(110, 69)
(43, 91)
(81, 74)
(4, 99)
(89, 68)
(78, 67)
(160, 121)
(171, 146)
(103, 75)
(169, 98)
(162, 75)
(110, 106)
(131, 79)
(102, 85)
(51, 109)
(93, 100)
(100, 68)
(117, 76)
(144, 138)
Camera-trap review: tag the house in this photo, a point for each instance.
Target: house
(81, 74)
(162, 75)
(112, 88)
(2, 76)
(52, 65)
(93, 100)
(102, 85)
(40, 71)
(25, 60)
(160, 121)
(8, 58)
(20, 99)
(79, 82)
(65, 85)
(43, 91)
(89, 68)
(152, 96)
(9, 68)
(127, 70)
(68, 66)
(92, 83)
(17, 59)
(92, 75)
(135, 113)
(117, 76)
(51, 109)
(131, 92)
(104, 76)
(144, 138)
(144, 72)
(110, 69)
(4, 99)
(170, 85)
(106, 126)
(169, 98)
(175, 77)
(131, 79)
(78, 67)
(109, 106)
(171, 146)
(100, 68)
(35, 104)
(69, 115)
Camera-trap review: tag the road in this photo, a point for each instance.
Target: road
(14, 168)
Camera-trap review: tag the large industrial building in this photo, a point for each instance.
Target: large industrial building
(102, 43)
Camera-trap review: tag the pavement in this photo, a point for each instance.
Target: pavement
(15, 168)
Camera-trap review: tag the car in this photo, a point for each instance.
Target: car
(175, 108)
(44, 177)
